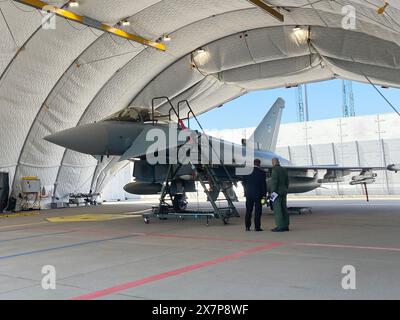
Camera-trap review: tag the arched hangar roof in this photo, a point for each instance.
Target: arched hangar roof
(53, 79)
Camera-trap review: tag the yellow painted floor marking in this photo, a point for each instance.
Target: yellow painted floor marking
(22, 225)
(137, 212)
(92, 217)
(20, 214)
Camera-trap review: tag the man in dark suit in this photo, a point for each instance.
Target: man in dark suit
(255, 188)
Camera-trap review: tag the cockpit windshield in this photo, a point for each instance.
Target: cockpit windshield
(137, 114)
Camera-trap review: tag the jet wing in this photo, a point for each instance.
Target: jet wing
(335, 173)
(334, 167)
(326, 167)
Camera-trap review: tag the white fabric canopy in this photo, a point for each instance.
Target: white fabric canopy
(51, 80)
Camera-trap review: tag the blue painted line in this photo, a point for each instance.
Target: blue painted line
(19, 229)
(63, 247)
(35, 236)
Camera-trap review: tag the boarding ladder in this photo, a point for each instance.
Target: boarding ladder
(205, 174)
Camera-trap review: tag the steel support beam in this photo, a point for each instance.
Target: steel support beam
(267, 8)
(41, 5)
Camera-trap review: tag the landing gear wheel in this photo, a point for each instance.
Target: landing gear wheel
(225, 220)
(179, 202)
(146, 220)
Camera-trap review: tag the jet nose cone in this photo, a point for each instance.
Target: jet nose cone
(56, 138)
(90, 139)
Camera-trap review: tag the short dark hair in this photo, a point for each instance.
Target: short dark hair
(257, 162)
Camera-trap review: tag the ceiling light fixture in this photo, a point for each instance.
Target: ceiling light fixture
(90, 22)
(125, 23)
(300, 35)
(73, 4)
(200, 57)
(381, 10)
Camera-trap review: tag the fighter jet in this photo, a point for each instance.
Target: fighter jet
(130, 134)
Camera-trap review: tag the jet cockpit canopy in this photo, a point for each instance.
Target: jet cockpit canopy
(137, 114)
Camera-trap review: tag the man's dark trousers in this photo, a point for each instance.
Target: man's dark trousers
(255, 203)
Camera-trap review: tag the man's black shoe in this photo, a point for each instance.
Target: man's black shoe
(247, 229)
(278, 229)
(286, 229)
(259, 229)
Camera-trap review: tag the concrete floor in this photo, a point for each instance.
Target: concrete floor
(127, 259)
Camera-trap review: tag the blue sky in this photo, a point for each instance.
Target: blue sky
(324, 99)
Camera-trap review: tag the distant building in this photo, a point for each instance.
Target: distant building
(355, 141)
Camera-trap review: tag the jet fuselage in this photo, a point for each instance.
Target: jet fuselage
(114, 138)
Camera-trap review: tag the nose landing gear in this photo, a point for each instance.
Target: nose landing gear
(179, 202)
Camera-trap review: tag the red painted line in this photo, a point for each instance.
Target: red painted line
(162, 235)
(175, 272)
(345, 246)
(178, 236)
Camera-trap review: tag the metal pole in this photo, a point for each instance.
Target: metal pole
(358, 154)
(385, 164)
(311, 154)
(306, 103)
(382, 147)
(335, 162)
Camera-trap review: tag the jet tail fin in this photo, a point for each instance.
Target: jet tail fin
(266, 134)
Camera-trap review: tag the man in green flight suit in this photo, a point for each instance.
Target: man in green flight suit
(279, 190)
